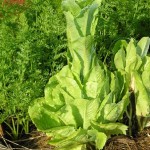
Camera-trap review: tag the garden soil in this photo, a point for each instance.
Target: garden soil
(38, 141)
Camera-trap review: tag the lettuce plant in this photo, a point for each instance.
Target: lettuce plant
(80, 105)
(133, 63)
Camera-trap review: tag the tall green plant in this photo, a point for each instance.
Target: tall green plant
(132, 62)
(80, 106)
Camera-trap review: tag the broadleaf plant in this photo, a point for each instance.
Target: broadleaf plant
(80, 106)
(133, 63)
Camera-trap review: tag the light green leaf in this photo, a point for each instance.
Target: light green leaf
(119, 60)
(75, 138)
(87, 110)
(147, 63)
(112, 111)
(43, 115)
(110, 128)
(117, 85)
(138, 62)
(71, 6)
(142, 98)
(74, 147)
(131, 56)
(146, 80)
(146, 74)
(143, 46)
(61, 132)
(100, 138)
(94, 82)
(108, 99)
(121, 44)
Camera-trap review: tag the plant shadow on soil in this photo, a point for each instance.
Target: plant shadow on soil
(38, 141)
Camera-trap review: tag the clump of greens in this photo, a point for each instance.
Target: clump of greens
(81, 103)
(133, 63)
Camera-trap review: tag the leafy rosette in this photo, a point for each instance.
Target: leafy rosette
(132, 61)
(80, 106)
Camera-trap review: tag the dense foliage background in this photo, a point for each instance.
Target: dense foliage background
(33, 47)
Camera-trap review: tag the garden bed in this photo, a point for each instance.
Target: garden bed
(38, 140)
(140, 142)
(90, 96)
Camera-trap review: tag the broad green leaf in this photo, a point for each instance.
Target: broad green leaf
(147, 64)
(100, 138)
(117, 85)
(87, 110)
(143, 46)
(61, 132)
(44, 116)
(110, 111)
(123, 104)
(146, 80)
(71, 6)
(110, 128)
(119, 60)
(69, 83)
(94, 82)
(142, 98)
(113, 111)
(63, 86)
(83, 56)
(131, 56)
(108, 99)
(146, 74)
(74, 139)
(138, 62)
(121, 44)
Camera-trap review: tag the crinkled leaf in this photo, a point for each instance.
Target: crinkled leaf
(110, 128)
(44, 116)
(61, 132)
(80, 33)
(76, 138)
(113, 111)
(110, 111)
(94, 82)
